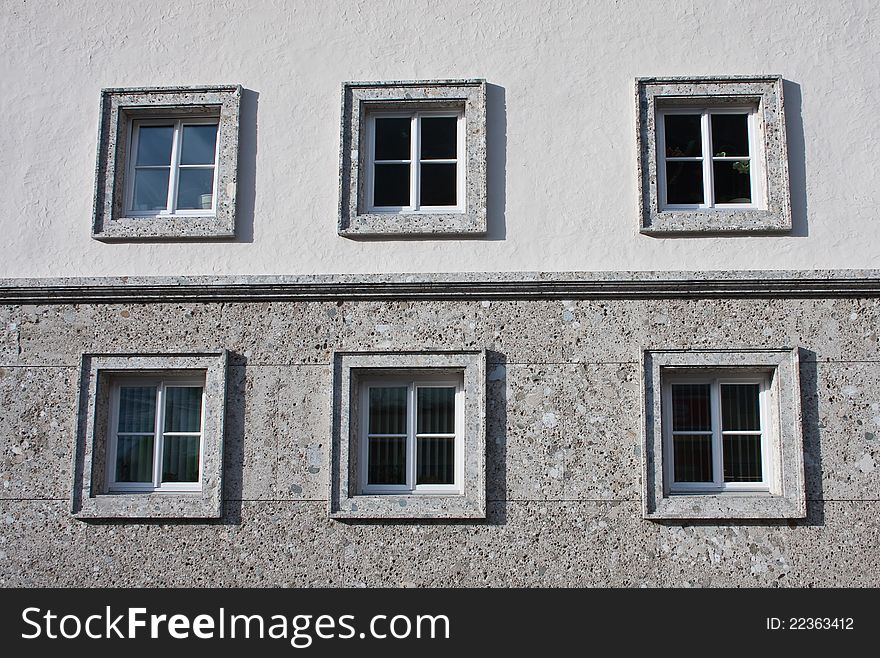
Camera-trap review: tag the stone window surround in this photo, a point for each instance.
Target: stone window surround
(345, 500)
(119, 107)
(764, 91)
(786, 499)
(90, 496)
(360, 97)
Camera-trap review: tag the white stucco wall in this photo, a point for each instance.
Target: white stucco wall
(563, 192)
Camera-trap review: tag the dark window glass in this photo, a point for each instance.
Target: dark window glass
(692, 457)
(180, 459)
(438, 185)
(392, 138)
(387, 460)
(739, 407)
(183, 409)
(435, 461)
(195, 189)
(732, 181)
(151, 189)
(683, 135)
(154, 145)
(742, 457)
(439, 138)
(730, 134)
(134, 458)
(436, 410)
(391, 185)
(684, 183)
(388, 410)
(690, 408)
(199, 145)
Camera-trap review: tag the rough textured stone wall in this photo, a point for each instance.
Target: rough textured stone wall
(563, 463)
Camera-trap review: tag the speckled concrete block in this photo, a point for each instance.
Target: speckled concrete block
(524, 332)
(525, 432)
(601, 436)
(841, 406)
(119, 107)
(358, 100)
(838, 549)
(37, 421)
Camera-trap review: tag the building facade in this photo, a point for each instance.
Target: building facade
(497, 294)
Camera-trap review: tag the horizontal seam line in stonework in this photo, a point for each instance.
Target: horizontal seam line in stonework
(490, 362)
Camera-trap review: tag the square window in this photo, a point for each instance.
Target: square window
(722, 435)
(413, 158)
(712, 155)
(151, 436)
(167, 161)
(409, 435)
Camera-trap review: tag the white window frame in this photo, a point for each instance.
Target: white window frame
(755, 157)
(175, 166)
(156, 486)
(415, 162)
(413, 383)
(715, 379)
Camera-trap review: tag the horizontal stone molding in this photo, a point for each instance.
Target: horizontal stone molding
(476, 286)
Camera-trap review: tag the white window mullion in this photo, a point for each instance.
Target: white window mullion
(371, 161)
(708, 175)
(411, 438)
(416, 160)
(174, 174)
(717, 436)
(160, 426)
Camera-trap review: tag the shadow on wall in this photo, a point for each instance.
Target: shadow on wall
(233, 440)
(797, 171)
(247, 167)
(496, 162)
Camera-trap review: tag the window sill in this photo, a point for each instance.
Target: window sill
(409, 506)
(166, 505)
(168, 227)
(410, 224)
(751, 505)
(747, 220)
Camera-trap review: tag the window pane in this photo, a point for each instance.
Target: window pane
(436, 410)
(150, 189)
(388, 410)
(439, 136)
(438, 185)
(134, 458)
(198, 145)
(180, 459)
(684, 182)
(690, 408)
(739, 407)
(692, 457)
(195, 189)
(137, 409)
(386, 462)
(730, 134)
(154, 145)
(391, 185)
(742, 457)
(183, 409)
(732, 182)
(435, 461)
(392, 138)
(683, 135)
